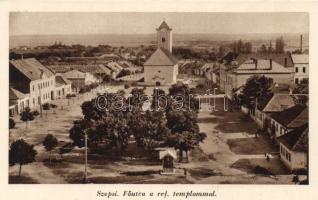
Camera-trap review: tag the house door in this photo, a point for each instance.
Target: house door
(157, 83)
(52, 95)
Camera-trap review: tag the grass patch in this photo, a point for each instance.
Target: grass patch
(248, 146)
(261, 166)
(22, 180)
(203, 172)
(140, 173)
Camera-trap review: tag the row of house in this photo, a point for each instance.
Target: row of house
(32, 84)
(109, 69)
(285, 118)
(234, 69)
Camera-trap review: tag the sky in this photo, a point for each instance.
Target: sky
(50, 23)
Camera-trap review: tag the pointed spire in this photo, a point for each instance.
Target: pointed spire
(164, 25)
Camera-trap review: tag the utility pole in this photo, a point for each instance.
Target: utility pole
(85, 176)
(40, 101)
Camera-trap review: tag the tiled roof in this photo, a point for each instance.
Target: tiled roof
(296, 140)
(15, 94)
(280, 102)
(31, 68)
(279, 58)
(161, 57)
(114, 66)
(93, 69)
(300, 58)
(61, 80)
(292, 117)
(74, 74)
(262, 104)
(261, 66)
(164, 25)
(300, 119)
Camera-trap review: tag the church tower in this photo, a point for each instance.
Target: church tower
(164, 36)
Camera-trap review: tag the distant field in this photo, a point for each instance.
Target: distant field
(292, 40)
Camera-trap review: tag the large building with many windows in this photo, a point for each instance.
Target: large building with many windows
(33, 79)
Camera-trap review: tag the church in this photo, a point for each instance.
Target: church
(162, 68)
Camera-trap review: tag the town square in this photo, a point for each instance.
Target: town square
(162, 108)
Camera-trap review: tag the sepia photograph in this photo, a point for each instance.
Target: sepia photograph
(158, 98)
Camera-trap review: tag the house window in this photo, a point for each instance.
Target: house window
(296, 80)
(33, 88)
(296, 69)
(33, 101)
(304, 69)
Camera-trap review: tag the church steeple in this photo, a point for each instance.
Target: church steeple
(164, 36)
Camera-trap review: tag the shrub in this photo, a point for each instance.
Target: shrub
(11, 123)
(127, 86)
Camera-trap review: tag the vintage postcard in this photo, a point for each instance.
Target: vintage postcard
(193, 98)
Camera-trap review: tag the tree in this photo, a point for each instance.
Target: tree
(68, 147)
(46, 107)
(280, 45)
(263, 49)
(302, 88)
(181, 95)
(50, 142)
(35, 114)
(185, 132)
(257, 88)
(26, 116)
(136, 99)
(149, 129)
(270, 48)
(11, 123)
(159, 99)
(21, 153)
(54, 107)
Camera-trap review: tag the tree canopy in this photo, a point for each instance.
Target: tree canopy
(21, 153)
(256, 88)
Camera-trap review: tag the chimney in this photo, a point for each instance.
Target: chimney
(285, 63)
(301, 44)
(255, 62)
(270, 64)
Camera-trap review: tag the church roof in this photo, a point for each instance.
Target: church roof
(161, 57)
(164, 25)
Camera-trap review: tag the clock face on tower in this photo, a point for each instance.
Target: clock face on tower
(163, 39)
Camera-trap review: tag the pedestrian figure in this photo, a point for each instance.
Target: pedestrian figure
(267, 157)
